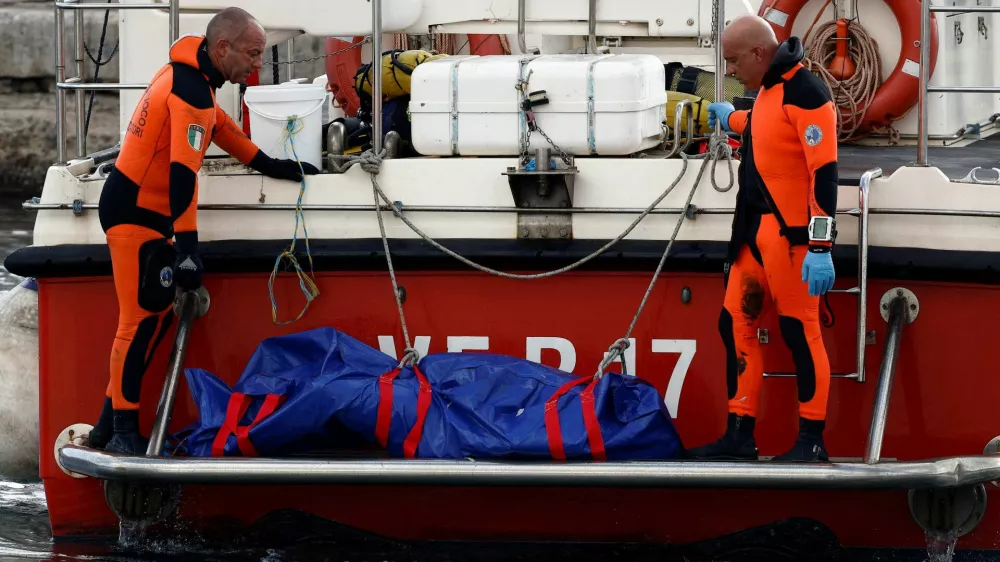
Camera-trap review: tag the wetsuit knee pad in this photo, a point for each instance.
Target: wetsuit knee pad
(726, 331)
(156, 275)
(794, 334)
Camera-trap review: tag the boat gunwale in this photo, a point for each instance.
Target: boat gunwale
(946, 472)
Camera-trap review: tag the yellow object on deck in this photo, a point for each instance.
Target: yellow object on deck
(396, 69)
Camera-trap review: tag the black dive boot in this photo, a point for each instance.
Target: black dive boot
(104, 429)
(127, 439)
(809, 446)
(736, 444)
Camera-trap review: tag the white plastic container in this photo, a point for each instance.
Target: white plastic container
(271, 107)
(468, 105)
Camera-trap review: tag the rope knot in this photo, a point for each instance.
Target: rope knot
(371, 162)
(614, 352)
(410, 357)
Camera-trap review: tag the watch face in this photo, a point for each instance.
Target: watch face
(821, 229)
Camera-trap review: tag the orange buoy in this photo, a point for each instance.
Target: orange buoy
(340, 71)
(842, 67)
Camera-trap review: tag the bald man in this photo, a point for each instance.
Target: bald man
(783, 231)
(148, 207)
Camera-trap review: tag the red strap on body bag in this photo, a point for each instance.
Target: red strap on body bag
(553, 430)
(237, 408)
(384, 418)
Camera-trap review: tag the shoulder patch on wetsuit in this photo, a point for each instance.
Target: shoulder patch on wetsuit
(804, 90)
(191, 87)
(196, 136)
(813, 135)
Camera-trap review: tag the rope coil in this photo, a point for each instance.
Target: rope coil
(854, 95)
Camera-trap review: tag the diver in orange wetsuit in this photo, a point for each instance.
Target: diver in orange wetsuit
(151, 196)
(783, 232)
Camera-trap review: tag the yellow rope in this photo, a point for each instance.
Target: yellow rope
(306, 283)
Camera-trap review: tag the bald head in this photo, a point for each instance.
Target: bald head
(230, 24)
(235, 43)
(748, 46)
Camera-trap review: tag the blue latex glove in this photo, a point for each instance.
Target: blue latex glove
(817, 270)
(720, 111)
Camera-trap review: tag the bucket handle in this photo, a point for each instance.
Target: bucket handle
(280, 118)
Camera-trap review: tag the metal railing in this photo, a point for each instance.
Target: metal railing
(898, 318)
(377, 82)
(76, 83)
(924, 77)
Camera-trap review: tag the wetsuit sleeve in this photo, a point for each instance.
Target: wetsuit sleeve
(738, 121)
(190, 130)
(813, 116)
(229, 137)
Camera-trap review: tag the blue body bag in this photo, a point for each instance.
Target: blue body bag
(322, 389)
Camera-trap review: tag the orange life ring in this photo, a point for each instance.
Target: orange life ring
(340, 71)
(899, 93)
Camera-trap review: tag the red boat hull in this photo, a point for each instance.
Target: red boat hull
(941, 402)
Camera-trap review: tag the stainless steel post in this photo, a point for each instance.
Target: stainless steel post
(290, 46)
(377, 76)
(174, 25)
(188, 310)
(720, 62)
(887, 371)
(592, 28)
(81, 135)
(864, 186)
(60, 93)
(925, 70)
(522, 8)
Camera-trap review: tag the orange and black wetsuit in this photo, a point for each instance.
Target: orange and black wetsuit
(788, 174)
(151, 196)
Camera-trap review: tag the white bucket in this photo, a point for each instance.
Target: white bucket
(272, 106)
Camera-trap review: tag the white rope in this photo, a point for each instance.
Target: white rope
(619, 347)
(399, 214)
(410, 355)
(719, 149)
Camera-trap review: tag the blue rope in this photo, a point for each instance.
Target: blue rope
(306, 283)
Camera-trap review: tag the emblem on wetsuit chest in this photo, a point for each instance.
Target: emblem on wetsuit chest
(166, 276)
(813, 135)
(196, 134)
